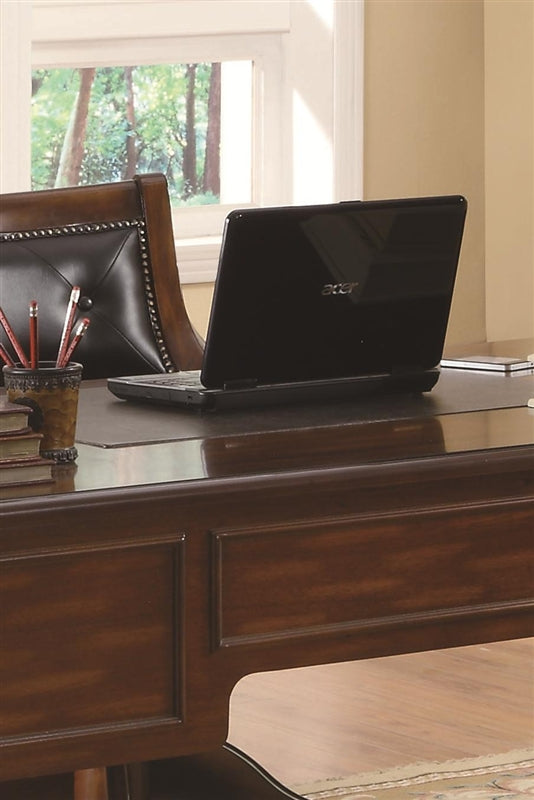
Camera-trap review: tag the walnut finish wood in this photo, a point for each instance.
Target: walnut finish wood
(140, 592)
(91, 784)
(184, 343)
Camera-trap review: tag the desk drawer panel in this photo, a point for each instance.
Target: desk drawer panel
(297, 580)
(81, 631)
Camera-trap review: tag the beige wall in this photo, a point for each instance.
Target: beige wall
(424, 123)
(509, 169)
(197, 298)
(449, 109)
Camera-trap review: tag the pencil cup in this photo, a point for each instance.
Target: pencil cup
(52, 394)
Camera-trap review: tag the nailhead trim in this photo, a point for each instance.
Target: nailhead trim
(99, 227)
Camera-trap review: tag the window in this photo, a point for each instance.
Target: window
(291, 85)
(103, 124)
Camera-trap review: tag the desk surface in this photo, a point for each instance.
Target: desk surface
(125, 444)
(142, 584)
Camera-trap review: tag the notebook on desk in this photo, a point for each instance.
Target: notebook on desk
(322, 302)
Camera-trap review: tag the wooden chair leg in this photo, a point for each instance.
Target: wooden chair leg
(91, 784)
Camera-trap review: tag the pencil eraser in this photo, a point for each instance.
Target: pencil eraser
(530, 403)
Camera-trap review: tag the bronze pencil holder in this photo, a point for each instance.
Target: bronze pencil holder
(52, 394)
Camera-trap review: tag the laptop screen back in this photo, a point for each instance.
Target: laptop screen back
(333, 291)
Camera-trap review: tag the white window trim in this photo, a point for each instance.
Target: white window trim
(15, 95)
(348, 100)
(276, 39)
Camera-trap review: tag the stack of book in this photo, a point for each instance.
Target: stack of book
(20, 462)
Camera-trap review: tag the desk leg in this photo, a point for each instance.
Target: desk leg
(124, 782)
(91, 784)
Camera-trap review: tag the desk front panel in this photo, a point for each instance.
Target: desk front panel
(344, 576)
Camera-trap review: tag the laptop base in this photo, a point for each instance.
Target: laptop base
(160, 389)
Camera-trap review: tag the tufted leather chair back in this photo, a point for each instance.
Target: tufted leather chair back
(115, 242)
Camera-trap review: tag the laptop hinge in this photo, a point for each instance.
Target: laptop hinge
(242, 383)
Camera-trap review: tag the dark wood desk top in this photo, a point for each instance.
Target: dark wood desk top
(125, 445)
(241, 457)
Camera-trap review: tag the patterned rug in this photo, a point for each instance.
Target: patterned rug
(509, 776)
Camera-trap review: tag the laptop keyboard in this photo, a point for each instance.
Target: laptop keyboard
(186, 379)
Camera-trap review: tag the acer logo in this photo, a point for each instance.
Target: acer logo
(339, 288)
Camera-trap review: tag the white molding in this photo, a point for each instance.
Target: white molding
(171, 48)
(15, 95)
(197, 259)
(309, 86)
(120, 19)
(349, 36)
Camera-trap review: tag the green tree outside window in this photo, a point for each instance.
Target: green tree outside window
(97, 125)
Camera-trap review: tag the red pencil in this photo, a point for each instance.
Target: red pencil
(34, 335)
(13, 339)
(80, 330)
(6, 358)
(67, 325)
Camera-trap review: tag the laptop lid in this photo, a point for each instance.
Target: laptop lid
(333, 291)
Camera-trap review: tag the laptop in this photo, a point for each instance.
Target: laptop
(322, 302)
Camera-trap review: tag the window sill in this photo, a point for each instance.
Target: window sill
(198, 258)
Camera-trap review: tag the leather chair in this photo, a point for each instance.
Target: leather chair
(115, 241)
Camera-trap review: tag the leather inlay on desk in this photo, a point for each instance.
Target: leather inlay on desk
(457, 391)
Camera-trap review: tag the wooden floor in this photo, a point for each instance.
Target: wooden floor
(321, 722)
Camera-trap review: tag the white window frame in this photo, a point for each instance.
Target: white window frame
(299, 58)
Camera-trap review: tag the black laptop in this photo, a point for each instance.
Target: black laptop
(322, 302)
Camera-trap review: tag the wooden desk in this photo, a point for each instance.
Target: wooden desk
(142, 585)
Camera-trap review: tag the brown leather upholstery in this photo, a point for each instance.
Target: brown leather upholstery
(115, 241)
